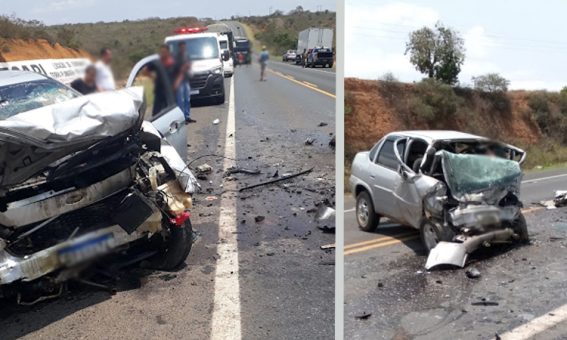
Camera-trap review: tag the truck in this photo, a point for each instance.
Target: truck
(311, 38)
(242, 51)
(207, 61)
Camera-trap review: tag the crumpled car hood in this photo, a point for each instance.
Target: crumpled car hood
(480, 178)
(32, 140)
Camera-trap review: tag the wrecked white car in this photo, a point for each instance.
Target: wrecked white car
(83, 177)
(460, 190)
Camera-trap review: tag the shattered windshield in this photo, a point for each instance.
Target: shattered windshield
(18, 98)
(468, 174)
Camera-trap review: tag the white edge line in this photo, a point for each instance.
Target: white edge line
(226, 311)
(537, 325)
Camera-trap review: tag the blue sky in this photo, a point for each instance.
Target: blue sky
(525, 41)
(72, 11)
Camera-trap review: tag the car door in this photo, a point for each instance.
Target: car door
(164, 115)
(383, 173)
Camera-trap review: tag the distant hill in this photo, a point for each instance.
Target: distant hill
(279, 31)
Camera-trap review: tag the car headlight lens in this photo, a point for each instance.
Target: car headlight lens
(217, 70)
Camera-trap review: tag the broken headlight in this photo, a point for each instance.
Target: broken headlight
(434, 201)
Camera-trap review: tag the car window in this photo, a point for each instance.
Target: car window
(373, 151)
(386, 156)
(22, 97)
(198, 48)
(158, 91)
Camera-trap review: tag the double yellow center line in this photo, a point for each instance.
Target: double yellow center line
(385, 241)
(303, 83)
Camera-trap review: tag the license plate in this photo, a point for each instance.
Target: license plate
(192, 92)
(86, 250)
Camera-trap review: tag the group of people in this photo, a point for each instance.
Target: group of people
(99, 77)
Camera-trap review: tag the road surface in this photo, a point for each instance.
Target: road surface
(256, 270)
(384, 277)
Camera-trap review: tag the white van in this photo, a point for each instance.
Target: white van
(228, 64)
(207, 67)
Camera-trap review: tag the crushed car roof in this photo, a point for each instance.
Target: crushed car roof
(435, 135)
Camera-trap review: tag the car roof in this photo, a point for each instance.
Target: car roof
(435, 135)
(191, 36)
(10, 77)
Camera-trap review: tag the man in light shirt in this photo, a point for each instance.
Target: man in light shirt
(104, 76)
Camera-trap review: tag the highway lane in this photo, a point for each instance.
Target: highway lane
(384, 276)
(244, 274)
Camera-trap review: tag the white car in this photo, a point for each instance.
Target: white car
(228, 64)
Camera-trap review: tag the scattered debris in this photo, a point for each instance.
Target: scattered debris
(327, 263)
(283, 178)
(204, 169)
(216, 121)
(363, 316)
(472, 273)
(328, 246)
(211, 198)
(560, 199)
(276, 174)
(167, 277)
(324, 213)
(235, 170)
(548, 204)
(309, 141)
(326, 229)
(332, 142)
(259, 218)
(322, 124)
(202, 177)
(484, 302)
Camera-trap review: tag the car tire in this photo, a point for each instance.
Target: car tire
(432, 233)
(221, 98)
(366, 216)
(520, 227)
(174, 250)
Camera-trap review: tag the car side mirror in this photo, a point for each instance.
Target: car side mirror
(225, 56)
(405, 174)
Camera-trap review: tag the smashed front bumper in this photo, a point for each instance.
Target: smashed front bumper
(478, 224)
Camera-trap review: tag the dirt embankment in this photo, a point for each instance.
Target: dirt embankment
(16, 49)
(373, 109)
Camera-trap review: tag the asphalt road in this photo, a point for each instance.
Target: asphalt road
(256, 271)
(384, 276)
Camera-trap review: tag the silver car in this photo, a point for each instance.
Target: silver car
(459, 190)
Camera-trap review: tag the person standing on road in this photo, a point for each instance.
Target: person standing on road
(263, 60)
(160, 91)
(87, 84)
(104, 75)
(183, 87)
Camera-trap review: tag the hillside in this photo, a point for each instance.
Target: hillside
(18, 49)
(531, 120)
(130, 40)
(279, 31)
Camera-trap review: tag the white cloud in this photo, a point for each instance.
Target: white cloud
(63, 5)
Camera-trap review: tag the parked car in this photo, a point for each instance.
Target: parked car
(459, 190)
(85, 177)
(320, 57)
(290, 55)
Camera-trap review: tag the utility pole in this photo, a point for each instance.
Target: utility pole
(270, 11)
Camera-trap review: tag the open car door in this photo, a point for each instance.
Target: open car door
(162, 110)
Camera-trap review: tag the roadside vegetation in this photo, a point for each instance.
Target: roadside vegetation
(533, 120)
(279, 30)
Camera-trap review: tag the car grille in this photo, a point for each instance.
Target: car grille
(199, 80)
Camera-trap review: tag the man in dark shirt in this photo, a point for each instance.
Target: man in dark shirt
(86, 85)
(183, 88)
(160, 89)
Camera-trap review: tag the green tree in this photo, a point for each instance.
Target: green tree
(439, 53)
(491, 82)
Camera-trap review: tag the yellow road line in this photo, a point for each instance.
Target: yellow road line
(378, 240)
(310, 84)
(379, 245)
(312, 87)
(391, 240)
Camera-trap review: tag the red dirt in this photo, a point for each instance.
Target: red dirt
(372, 116)
(14, 50)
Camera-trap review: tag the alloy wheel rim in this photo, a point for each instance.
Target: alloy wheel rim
(362, 212)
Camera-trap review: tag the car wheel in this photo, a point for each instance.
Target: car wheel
(432, 233)
(520, 227)
(365, 215)
(220, 99)
(174, 249)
